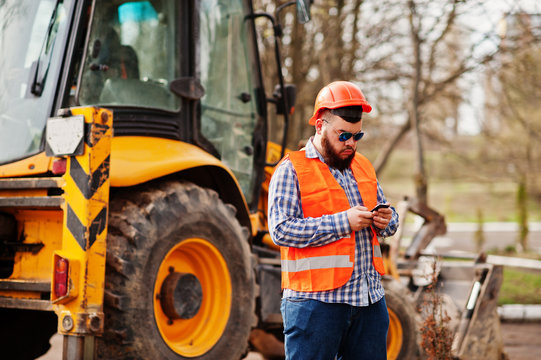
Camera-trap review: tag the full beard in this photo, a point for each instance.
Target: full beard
(332, 158)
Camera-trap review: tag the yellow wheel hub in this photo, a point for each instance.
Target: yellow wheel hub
(196, 335)
(394, 336)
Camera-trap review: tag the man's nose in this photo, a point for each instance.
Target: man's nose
(350, 142)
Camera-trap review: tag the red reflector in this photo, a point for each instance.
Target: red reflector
(61, 268)
(59, 166)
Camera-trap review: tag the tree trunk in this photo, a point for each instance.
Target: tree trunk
(389, 146)
(415, 117)
(522, 207)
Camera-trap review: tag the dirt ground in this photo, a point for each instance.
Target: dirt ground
(522, 340)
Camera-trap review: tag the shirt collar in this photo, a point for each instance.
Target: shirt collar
(311, 151)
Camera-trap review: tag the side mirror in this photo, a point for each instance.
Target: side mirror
(187, 87)
(285, 102)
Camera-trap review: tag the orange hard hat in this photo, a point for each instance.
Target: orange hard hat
(339, 94)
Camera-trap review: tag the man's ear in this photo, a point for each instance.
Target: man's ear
(319, 126)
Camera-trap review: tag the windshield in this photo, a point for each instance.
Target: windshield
(29, 32)
(132, 55)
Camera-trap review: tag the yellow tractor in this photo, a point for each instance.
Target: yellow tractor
(133, 163)
(133, 140)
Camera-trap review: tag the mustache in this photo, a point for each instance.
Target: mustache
(333, 158)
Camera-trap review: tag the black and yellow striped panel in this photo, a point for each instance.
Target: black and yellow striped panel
(87, 181)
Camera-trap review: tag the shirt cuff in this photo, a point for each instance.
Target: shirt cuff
(341, 224)
(383, 232)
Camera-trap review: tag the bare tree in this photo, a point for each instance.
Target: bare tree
(514, 124)
(410, 58)
(437, 64)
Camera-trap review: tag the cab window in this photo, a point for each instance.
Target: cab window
(132, 55)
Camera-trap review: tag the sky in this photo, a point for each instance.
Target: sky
(485, 21)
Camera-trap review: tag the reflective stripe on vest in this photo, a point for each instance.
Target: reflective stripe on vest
(376, 250)
(377, 258)
(330, 266)
(317, 262)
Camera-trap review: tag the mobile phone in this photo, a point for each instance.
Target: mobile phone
(380, 206)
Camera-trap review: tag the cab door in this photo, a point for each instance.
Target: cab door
(232, 115)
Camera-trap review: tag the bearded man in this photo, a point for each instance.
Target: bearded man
(320, 201)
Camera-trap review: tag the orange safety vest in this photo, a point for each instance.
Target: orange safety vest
(320, 268)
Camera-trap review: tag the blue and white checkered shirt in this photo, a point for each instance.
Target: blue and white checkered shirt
(288, 227)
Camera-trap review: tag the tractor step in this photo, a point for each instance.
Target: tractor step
(52, 199)
(25, 286)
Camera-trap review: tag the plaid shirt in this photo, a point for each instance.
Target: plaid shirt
(288, 227)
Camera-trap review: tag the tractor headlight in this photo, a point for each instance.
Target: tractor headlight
(64, 135)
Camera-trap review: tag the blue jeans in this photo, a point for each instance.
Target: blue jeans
(317, 330)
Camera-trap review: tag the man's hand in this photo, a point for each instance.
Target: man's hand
(360, 217)
(382, 217)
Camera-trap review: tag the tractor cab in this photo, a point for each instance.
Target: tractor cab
(180, 70)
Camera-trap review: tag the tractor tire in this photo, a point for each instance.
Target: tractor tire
(179, 280)
(404, 322)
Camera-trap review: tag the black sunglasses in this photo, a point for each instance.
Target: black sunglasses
(345, 135)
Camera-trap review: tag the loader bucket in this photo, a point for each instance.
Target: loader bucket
(467, 290)
(478, 333)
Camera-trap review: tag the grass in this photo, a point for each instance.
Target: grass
(463, 199)
(458, 198)
(462, 193)
(520, 287)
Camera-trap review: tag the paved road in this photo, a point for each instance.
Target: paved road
(497, 235)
